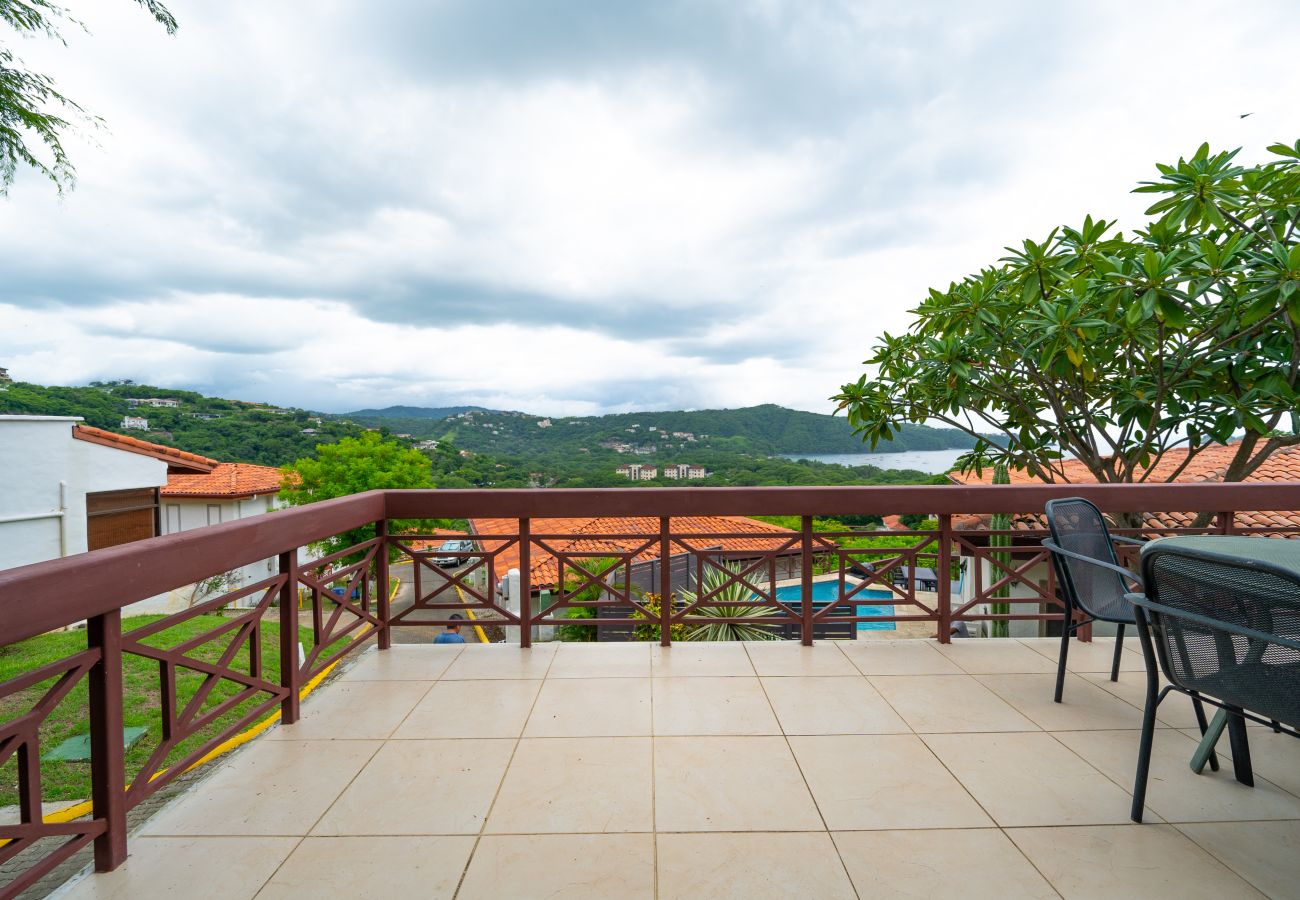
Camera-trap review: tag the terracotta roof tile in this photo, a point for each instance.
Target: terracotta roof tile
(1210, 465)
(225, 480)
(179, 459)
(584, 535)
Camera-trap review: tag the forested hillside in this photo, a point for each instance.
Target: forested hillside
(228, 430)
(763, 430)
(480, 448)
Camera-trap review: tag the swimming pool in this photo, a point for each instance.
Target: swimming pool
(824, 592)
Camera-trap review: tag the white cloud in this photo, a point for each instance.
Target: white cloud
(631, 207)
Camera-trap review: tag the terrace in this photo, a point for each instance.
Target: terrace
(869, 767)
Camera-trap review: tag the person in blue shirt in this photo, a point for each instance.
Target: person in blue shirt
(452, 635)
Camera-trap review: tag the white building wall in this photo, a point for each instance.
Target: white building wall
(45, 475)
(185, 513)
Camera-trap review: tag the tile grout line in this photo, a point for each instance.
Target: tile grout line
(806, 786)
(654, 784)
(996, 824)
(355, 775)
(1206, 850)
(460, 883)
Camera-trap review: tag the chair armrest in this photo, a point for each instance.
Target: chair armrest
(1216, 624)
(1122, 539)
(1118, 570)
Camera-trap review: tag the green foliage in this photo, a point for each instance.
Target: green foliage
(353, 465)
(30, 104)
(651, 630)
(230, 430)
(734, 601)
(758, 430)
(1000, 522)
(1112, 349)
(602, 566)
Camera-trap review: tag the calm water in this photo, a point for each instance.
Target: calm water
(933, 462)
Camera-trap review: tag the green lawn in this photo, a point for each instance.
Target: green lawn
(71, 780)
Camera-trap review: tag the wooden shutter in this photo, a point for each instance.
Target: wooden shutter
(119, 517)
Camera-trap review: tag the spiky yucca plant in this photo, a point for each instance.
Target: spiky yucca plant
(732, 602)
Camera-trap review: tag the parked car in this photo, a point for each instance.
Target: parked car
(454, 553)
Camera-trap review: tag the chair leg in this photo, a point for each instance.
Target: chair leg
(1144, 748)
(1201, 723)
(1119, 648)
(1240, 744)
(1065, 651)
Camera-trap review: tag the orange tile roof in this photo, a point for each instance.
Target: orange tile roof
(1209, 465)
(175, 459)
(225, 480)
(584, 535)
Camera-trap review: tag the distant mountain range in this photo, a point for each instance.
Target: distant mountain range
(757, 430)
(412, 412)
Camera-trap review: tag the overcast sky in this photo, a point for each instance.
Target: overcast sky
(575, 207)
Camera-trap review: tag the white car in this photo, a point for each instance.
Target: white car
(454, 553)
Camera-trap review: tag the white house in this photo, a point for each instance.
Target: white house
(227, 492)
(68, 488)
(136, 423)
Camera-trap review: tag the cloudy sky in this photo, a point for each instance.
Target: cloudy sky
(570, 207)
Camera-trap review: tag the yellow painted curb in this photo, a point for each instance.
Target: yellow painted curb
(85, 807)
(478, 629)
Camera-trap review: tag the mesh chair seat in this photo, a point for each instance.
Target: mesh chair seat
(1077, 526)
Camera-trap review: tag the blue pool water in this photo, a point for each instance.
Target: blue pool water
(824, 592)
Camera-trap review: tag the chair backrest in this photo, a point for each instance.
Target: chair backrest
(1078, 526)
(1209, 653)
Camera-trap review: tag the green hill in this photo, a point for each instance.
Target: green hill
(228, 430)
(411, 412)
(767, 430)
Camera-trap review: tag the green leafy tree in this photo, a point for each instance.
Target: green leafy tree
(1117, 350)
(33, 111)
(351, 466)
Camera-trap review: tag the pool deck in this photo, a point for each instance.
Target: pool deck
(849, 769)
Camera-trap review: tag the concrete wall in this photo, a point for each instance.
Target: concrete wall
(45, 475)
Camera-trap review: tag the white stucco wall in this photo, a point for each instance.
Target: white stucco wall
(45, 475)
(185, 513)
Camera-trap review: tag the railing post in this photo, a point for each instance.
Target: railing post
(806, 581)
(525, 583)
(1225, 521)
(381, 585)
(665, 584)
(943, 577)
(107, 755)
(290, 673)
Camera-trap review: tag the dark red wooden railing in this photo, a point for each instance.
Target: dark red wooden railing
(233, 690)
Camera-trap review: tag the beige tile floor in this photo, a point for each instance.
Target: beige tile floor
(872, 769)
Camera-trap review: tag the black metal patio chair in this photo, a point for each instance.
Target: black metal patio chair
(1224, 629)
(1092, 580)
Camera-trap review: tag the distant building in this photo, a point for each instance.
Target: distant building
(137, 423)
(682, 471)
(155, 402)
(544, 423)
(207, 417)
(426, 445)
(310, 431)
(407, 436)
(638, 472)
(4, 377)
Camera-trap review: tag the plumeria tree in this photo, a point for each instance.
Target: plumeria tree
(34, 114)
(1116, 350)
